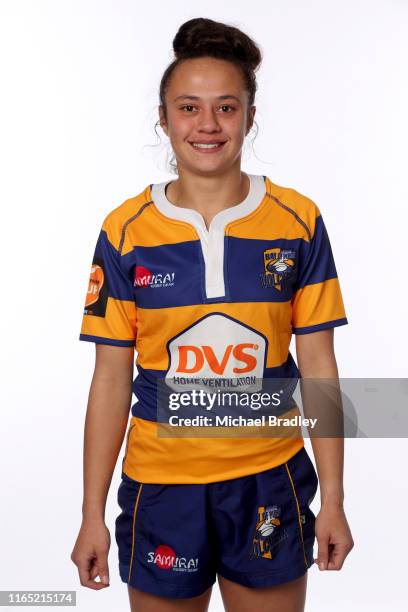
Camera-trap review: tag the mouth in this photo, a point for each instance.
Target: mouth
(208, 147)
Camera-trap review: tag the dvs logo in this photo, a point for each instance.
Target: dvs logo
(216, 347)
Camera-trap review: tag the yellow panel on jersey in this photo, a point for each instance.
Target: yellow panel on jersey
(316, 304)
(217, 305)
(158, 323)
(153, 458)
(119, 322)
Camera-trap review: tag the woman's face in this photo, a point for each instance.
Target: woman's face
(206, 104)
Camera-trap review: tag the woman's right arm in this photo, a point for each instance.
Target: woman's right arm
(105, 427)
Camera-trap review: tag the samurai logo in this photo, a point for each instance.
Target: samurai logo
(165, 558)
(268, 533)
(279, 265)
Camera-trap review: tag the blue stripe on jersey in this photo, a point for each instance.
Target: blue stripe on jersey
(101, 340)
(174, 274)
(245, 270)
(320, 326)
(119, 285)
(177, 272)
(316, 263)
(145, 386)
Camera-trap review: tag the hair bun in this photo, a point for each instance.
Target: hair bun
(199, 36)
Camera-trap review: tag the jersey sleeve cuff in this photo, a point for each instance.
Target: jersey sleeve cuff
(313, 328)
(110, 341)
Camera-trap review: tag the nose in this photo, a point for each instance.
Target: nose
(208, 121)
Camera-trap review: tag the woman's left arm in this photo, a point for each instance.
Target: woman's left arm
(316, 359)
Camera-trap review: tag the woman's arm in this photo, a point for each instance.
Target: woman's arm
(316, 359)
(105, 427)
(105, 424)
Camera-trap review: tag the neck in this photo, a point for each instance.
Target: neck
(208, 194)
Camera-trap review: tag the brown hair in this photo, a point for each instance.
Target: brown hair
(202, 37)
(207, 38)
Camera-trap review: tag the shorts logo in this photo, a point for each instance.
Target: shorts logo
(268, 534)
(165, 558)
(144, 278)
(97, 294)
(279, 266)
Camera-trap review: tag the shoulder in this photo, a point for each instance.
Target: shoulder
(118, 219)
(298, 205)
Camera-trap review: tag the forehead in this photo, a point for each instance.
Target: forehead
(204, 76)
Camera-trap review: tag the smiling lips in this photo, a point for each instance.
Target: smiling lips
(209, 146)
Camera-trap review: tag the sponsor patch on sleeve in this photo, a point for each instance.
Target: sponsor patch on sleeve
(97, 294)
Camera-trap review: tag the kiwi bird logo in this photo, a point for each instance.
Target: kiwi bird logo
(268, 532)
(279, 265)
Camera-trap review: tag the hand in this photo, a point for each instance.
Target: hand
(90, 554)
(333, 537)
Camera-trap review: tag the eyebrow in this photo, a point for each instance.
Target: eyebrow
(224, 97)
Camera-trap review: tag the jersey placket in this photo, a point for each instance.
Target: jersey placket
(212, 248)
(212, 240)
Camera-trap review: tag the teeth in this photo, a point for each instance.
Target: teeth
(206, 146)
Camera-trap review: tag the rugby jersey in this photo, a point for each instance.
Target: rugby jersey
(220, 301)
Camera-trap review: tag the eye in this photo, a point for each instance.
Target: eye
(187, 106)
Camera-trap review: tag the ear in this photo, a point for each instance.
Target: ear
(251, 117)
(162, 119)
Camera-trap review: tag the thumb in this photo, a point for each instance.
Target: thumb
(322, 553)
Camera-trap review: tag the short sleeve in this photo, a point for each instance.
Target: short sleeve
(317, 302)
(109, 315)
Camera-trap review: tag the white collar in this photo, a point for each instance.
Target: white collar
(257, 190)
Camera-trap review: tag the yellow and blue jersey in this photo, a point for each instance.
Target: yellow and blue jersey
(198, 302)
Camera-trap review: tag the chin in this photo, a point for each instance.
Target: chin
(208, 169)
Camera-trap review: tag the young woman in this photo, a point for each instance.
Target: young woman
(207, 277)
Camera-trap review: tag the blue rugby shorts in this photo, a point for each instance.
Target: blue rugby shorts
(256, 530)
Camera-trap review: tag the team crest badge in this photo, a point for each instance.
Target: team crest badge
(279, 266)
(268, 533)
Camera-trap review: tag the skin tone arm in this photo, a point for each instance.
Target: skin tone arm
(316, 359)
(105, 427)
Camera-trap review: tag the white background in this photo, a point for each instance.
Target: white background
(79, 83)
